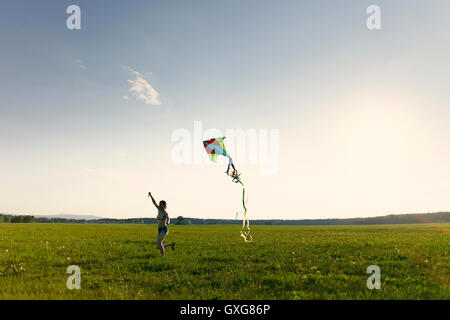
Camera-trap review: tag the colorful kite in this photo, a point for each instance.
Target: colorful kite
(215, 147)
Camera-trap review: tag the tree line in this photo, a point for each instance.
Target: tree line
(437, 217)
(5, 218)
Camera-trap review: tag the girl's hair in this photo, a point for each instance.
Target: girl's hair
(162, 204)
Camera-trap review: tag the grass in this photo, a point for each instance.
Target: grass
(212, 262)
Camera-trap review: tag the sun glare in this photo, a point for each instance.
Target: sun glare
(376, 144)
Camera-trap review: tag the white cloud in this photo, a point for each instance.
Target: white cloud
(81, 64)
(142, 90)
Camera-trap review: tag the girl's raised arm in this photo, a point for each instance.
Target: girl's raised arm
(153, 200)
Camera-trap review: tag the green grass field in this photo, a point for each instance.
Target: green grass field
(212, 262)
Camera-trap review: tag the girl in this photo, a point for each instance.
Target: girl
(163, 222)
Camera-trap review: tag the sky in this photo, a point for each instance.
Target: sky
(351, 122)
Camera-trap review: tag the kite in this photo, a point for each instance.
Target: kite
(214, 148)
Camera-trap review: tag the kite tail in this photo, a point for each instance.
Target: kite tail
(245, 232)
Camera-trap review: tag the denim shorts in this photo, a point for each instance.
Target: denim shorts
(163, 230)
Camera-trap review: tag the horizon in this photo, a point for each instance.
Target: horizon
(324, 117)
(93, 217)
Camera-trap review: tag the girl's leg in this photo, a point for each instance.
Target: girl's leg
(172, 244)
(159, 242)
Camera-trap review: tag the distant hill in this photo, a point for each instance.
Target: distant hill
(69, 217)
(437, 217)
